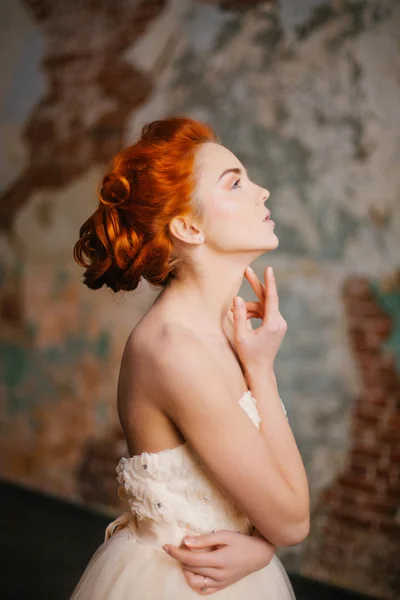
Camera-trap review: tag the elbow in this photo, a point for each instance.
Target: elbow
(290, 536)
(297, 533)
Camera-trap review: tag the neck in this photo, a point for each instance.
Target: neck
(203, 303)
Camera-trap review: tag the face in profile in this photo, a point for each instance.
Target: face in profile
(234, 206)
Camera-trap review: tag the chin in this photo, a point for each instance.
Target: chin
(274, 243)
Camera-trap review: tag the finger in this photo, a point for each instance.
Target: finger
(250, 305)
(212, 572)
(196, 582)
(253, 315)
(271, 312)
(239, 320)
(254, 307)
(193, 559)
(208, 539)
(255, 283)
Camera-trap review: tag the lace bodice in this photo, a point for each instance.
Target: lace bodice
(171, 489)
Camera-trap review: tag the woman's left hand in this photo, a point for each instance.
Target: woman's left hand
(224, 558)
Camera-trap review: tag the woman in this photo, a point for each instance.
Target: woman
(210, 453)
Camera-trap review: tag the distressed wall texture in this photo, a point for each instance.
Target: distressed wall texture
(307, 94)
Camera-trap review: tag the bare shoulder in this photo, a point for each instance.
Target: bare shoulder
(168, 350)
(156, 353)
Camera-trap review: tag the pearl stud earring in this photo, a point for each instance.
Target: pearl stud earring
(201, 238)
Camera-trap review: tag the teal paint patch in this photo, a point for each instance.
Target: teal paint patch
(25, 376)
(390, 303)
(61, 279)
(101, 413)
(103, 345)
(15, 364)
(33, 376)
(75, 345)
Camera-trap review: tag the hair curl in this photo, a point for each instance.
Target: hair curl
(145, 187)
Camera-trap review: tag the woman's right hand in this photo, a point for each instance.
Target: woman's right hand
(258, 348)
(224, 557)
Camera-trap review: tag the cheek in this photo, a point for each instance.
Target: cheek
(227, 209)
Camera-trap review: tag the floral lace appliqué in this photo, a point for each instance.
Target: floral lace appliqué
(172, 486)
(249, 405)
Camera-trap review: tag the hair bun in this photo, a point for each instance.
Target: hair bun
(115, 190)
(145, 186)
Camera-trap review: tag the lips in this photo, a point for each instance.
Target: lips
(267, 216)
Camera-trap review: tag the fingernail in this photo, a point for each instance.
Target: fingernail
(249, 268)
(238, 301)
(166, 549)
(189, 541)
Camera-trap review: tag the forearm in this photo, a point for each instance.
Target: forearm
(278, 435)
(257, 534)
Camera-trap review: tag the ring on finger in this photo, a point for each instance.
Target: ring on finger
(204, 589)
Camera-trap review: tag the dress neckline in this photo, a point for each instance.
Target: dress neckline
(136, 457)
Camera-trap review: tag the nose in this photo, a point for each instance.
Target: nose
(265, 194)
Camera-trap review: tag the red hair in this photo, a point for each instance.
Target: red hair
(145, 187)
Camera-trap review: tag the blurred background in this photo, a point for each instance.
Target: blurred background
(307, 94)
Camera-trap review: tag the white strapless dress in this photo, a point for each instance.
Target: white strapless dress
(170, 495)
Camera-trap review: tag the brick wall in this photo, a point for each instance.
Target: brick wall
(355, 536)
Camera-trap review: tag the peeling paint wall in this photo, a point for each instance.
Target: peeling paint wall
(307, 95)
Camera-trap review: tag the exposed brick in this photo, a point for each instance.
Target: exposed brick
(357, 520)
(390, 527)
(384, 507)
(364, 498)
(356, 484)
(62, 149)
(369, 411)
(373, 395)
(362, 450)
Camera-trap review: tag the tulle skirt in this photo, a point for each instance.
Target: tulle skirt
(125, 568)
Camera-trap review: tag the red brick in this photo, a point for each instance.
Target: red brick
(356, 287)
(328, 495)
(360, 451)
(357, 520)
(333, 531)
(380, 508)
(392, 493)
(359, 497)
(395, 455)
(382, 326)
(366, 309)
(363, 428)
(391, 436)
(366, 411)
(374, 396)
(357, 471)
(383, 472)
(352, 502)
(356, 484)
(390, 527)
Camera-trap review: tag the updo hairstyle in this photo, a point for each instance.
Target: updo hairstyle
(146, 186)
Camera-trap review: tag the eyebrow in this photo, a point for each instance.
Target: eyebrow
(234, 170)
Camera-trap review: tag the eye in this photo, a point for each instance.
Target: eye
(235, 186)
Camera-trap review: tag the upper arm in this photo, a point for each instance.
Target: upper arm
(197, 398)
